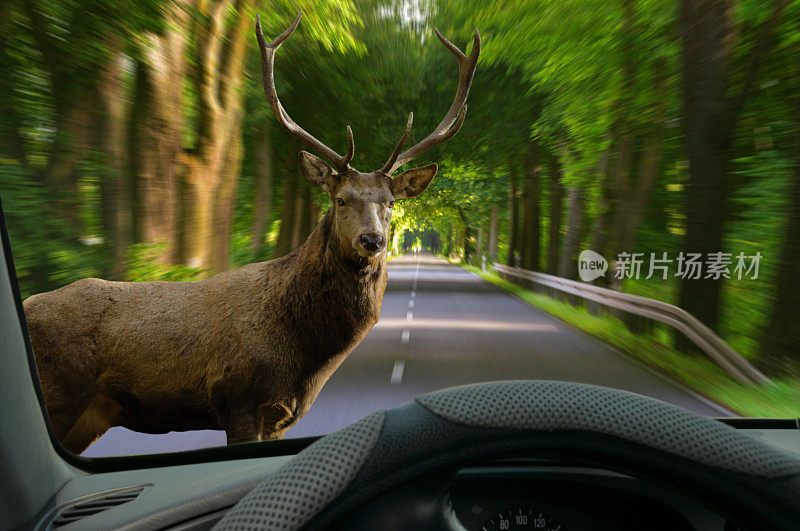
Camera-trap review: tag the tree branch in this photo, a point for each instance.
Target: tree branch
(210, 42)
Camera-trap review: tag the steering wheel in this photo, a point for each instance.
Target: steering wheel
(391, 469)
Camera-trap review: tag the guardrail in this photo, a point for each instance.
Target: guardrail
(702, 336)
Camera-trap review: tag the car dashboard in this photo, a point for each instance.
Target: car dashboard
(553, 497)
(506, 494)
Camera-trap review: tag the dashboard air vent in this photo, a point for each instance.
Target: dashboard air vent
(93, 504)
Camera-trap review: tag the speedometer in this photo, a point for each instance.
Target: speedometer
(522, 518)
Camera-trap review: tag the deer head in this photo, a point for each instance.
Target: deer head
(362, 202)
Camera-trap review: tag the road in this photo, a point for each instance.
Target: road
(442, 326)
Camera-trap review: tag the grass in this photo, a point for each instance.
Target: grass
(780, 399)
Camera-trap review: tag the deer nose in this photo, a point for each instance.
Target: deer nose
(371, 242)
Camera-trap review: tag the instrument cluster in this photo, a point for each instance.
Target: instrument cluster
(560, 498)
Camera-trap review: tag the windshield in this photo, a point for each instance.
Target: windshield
(222, 238)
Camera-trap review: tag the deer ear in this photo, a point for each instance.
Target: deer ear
(317, 172)
(413, 182)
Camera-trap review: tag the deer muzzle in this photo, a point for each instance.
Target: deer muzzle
(371, 242)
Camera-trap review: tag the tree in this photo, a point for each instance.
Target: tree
(262, 209)
(710, 118)
(531, 227)
(780, 342)
(567, 266)
(112, 140)
(291, 182)
(494, 229)
(156, 128)
(556, 192)
(513, 217)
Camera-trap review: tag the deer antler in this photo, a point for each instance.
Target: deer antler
(341, 163)
(452, 121)
(387, 168)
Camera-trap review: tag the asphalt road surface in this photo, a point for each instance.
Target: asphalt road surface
(442, 326)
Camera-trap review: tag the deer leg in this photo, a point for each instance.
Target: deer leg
(241, 428)
(232, 402)
(95, 420)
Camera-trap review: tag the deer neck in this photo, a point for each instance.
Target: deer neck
(339, 297)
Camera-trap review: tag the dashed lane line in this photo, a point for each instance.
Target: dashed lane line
(397, 372)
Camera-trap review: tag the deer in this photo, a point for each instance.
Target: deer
(247, 350)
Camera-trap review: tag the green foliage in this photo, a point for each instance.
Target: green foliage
(143, 265)
(46, 256)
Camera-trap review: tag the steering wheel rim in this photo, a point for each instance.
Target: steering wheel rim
(739, 474)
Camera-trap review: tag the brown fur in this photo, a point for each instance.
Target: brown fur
(246, 351)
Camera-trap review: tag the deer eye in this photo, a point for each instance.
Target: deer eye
(340, 201)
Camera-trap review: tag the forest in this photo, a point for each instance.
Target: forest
(136, 142)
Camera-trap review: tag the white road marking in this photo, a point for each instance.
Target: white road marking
(397, 372)
(404, 338)
(465, 324)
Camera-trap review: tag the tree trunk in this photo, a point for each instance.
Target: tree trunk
(531, 216)
(301, 215)
(450, 233)
(635, 206)
(225, 194)
(567, 267)
(480, 251)
(469, 244)
(212, 169)
(469, 247)
(493, 234)
(780, 342)
(619, 181)
(72, 142)
(556, 206)
(288, 199)
(705, 30)
(619, 194)
(616, 179)
(115, 186)
(637, 200)
(262, 209)
(156, 128)
(617, 162)
(513, 217)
